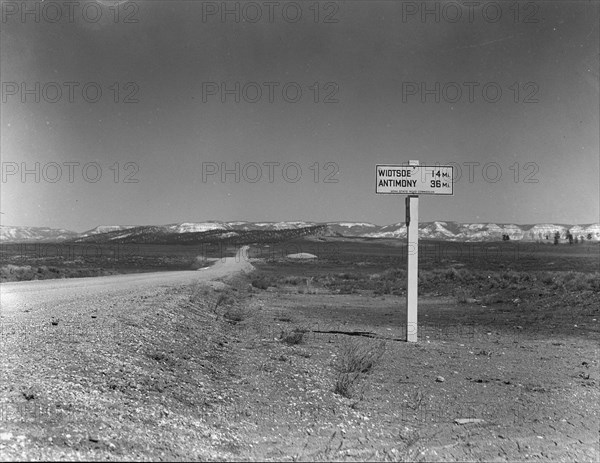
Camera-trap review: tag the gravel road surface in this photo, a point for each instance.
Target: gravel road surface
(81, 366)
(50, 294)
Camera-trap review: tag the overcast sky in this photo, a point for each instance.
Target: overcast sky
(328, 88)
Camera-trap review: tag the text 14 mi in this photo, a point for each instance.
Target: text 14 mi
(414, 180)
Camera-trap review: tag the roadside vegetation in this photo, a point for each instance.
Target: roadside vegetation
(293, 336)
(355, 360)
(43, 272)
(465, 284)
(42, 261)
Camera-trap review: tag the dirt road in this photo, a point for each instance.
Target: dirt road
(50, 294)
(81, 358)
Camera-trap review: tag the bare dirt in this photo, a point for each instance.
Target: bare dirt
(534, 391)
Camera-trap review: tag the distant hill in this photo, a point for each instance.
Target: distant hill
(455, 231)
(40, 234)
(242, 232)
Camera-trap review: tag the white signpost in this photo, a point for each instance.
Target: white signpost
(413, 180)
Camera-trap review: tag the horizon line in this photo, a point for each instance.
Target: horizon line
(308, 222)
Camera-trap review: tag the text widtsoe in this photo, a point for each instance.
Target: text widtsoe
(414, 180)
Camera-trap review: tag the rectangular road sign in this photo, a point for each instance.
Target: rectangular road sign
(414, 180)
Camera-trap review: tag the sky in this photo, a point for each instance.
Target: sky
(126, 112)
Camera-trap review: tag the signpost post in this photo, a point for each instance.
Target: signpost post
(413, 180)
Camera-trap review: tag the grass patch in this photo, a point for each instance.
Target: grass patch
(345, 384)
(357, 357)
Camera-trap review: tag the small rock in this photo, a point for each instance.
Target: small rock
(54, 322)
(468, 420)
(439, 379)
(93, 439)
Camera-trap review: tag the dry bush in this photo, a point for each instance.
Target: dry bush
(263, 281)
(294, 280)
(356, 358)
(199, 262)
(16, 273)
(224, 299)
(293, 337)
(345, 384)
(235, 315)
(575, 281)
(359, 355)
(463, 296)
(27, 272)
